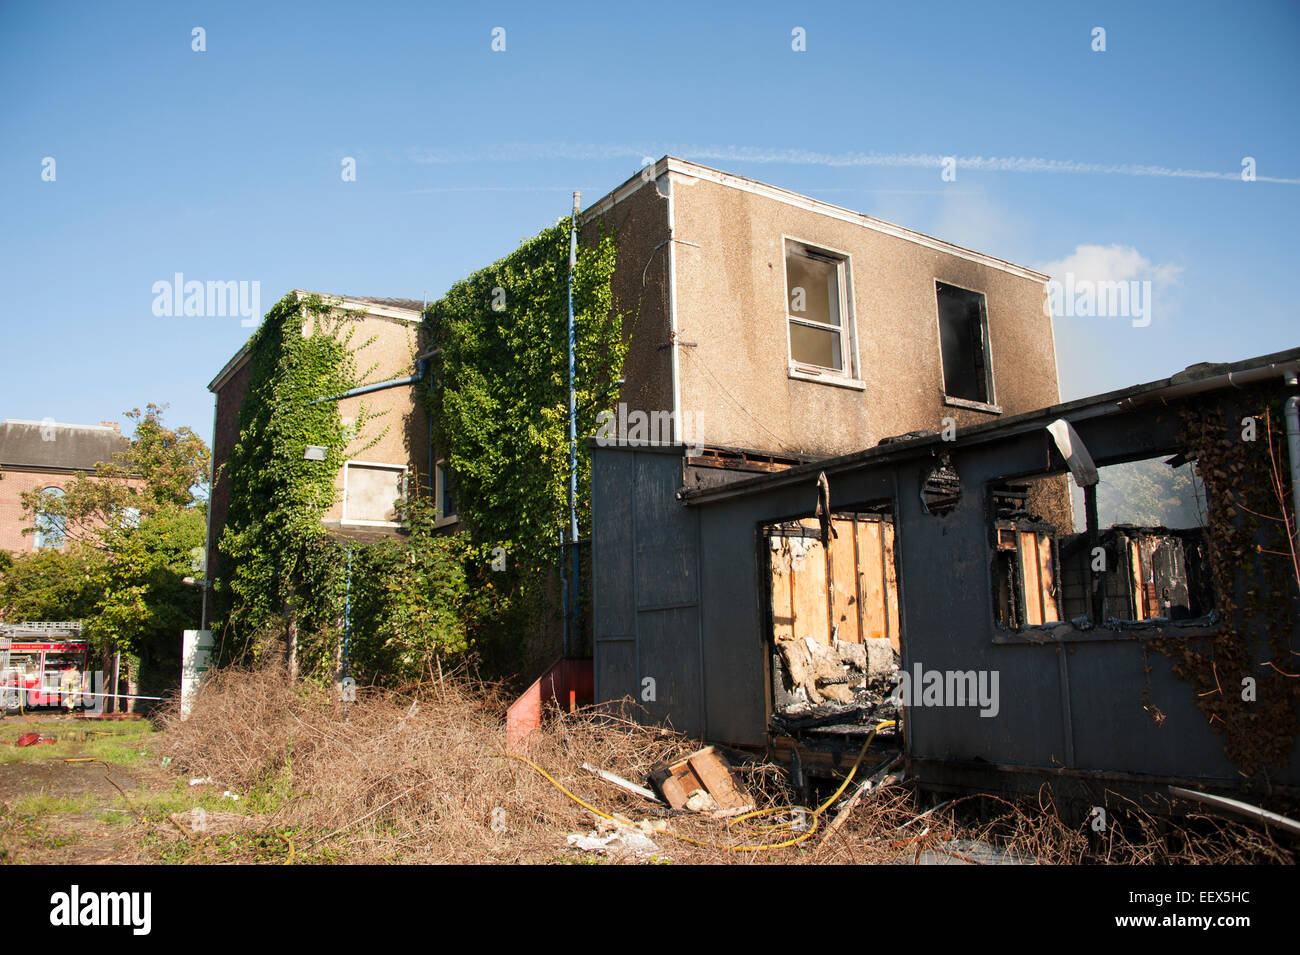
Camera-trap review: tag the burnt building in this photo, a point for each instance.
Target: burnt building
(762, 611)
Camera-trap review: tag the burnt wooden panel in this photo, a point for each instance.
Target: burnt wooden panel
(1048, 589)
(871, 579)
(844, 583)
(782, 593)
(809, 585)
(1029, 567)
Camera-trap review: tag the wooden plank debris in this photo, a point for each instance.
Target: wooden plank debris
(702, 780)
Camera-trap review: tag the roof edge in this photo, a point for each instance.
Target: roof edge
(684, 167)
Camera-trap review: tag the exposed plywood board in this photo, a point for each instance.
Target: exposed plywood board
(1047, 579)
(844, 582)
(782, 606)
(808, 580)
(1029, 573)
(871, 579)
(1139, 591)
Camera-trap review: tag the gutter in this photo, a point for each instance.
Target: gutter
(1235, 379)
(207, 537)
(1293, 447)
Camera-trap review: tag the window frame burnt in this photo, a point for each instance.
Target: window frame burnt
(977, 334)
(1072, 547)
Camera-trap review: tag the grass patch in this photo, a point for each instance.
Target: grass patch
(49, 804)
(122, 743)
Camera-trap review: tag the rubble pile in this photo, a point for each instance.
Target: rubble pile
(816, 680)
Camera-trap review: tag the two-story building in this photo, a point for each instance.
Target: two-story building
(396, 444)
(44, 456)
(765, 329)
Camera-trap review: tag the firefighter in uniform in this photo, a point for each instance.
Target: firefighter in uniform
(70, 688)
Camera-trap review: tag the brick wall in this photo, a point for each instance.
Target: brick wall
(12, 519)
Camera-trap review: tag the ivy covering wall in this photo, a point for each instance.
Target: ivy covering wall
(285, 581)
(498, 399)
(499, 404)
(276, 556)
(1246, 680)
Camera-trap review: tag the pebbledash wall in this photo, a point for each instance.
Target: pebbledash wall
(385, 343)
(35, 455)
(702, 264)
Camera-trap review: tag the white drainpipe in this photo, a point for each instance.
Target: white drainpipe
(666, 183)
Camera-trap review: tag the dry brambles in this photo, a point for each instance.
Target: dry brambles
(420, 775)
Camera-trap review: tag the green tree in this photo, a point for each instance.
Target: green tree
(159, 468)
(411, 605)
(134, 531)
(49, 584)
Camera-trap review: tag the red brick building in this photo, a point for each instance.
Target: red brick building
(45, 455)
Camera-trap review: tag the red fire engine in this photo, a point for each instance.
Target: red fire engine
(35, 665)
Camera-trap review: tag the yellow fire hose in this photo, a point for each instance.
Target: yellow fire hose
(779, 827)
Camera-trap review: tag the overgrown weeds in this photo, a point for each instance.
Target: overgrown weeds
(422, 775)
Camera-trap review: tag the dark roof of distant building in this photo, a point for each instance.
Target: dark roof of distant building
(57, 446)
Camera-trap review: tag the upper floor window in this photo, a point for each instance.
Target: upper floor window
(964, 344)
(50, 529)
(816, 288)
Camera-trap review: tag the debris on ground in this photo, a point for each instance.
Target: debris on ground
(621, 839)
(701, 782)
(355, 790)
(33, 739)
(215, 822)
(621, 783)
(969, 852)
(823, 682)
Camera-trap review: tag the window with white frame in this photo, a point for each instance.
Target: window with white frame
(816, 300)
(372, 491)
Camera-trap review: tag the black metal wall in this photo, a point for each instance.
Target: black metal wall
(680, 597)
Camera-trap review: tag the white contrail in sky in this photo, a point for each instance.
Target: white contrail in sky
(525, 152)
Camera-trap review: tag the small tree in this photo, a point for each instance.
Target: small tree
(133, 531)
(159, 468)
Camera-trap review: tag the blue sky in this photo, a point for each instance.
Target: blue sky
(225, 164)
